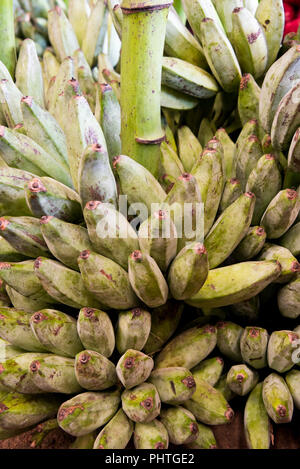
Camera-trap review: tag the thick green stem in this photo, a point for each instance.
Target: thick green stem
(143, 36)
(7, 36)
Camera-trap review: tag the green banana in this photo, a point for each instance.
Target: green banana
(256, 421)
(220, 55)
(81, 129)
(47, 197)
(208, 405)
(247, 157)
(241, 379)
(15, 374)
(254, 343)
(78, 13)
(61, 34)
(249, 42)
(65, 73)
(181, 425)
(158, 238)
(84, 441)
(26, 303)
(95, 178)
(286, 120)
(22, 152)
(206, 131)
(230, 227)
(55, 374)
(138, 183)
(21, 277)
(134, 368)
(248, 100)
(290, 240)
(247, 310)
(251, 5)
(94, 371)
(29, 78)
(208, 173)
(56, 332)
(280, 350)
(229, 152)
(172, 99)
(142, 403)
(106, 280)
(196, 11)
(188, 271)
(146, 279)
(12, 199)
(232, 191)
(64, 240)
(189, 148)
(10, 97)
(108, 113)
(289, 264)
(224, 10)
(276, 84)
(64, 285)
(292, 380)
(270, 14)
(188, 348)
(205, 438)
(24, 235)
(151, 435)
(281, 213)
(288, 299)
(109, 231)
(170, 163)
(277, 399)
(188, 78)
(21, 411)
(85, 78)
(41, 126)
(133, 329)
(224, 388)
(265, 182)
(294, 152)
(87, 411)
(116, 433)
(164, 322)
(185, 204)
(209, 370)
(180, 43)
(174, 385)
(50, 67)
(247, 279)
(228, 340)
(92, 42)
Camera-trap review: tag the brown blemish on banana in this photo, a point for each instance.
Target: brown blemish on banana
(189, 382)
(84, 358)
(35, 366)
(36, 185)
(147, 403)
(38, 317)
(108, 276)
(63, 413)
(3, 223)
(253, 36)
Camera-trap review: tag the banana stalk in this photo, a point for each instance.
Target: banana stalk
(7, 35)
(143, 34)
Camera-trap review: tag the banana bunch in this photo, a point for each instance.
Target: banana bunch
(115, 324)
